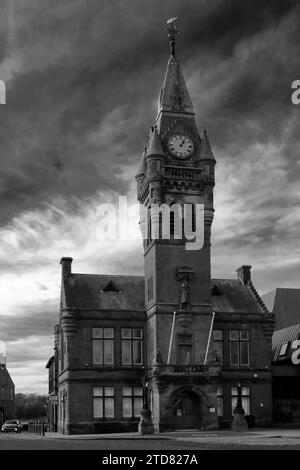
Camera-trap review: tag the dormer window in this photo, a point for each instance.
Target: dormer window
(110, 287)
(216, 290)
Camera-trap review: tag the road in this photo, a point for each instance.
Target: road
(29, 442)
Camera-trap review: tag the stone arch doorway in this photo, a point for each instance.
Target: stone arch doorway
(186, 407)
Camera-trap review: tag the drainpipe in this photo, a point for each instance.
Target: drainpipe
(209, 337)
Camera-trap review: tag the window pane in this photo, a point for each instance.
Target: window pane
(97, 332)
(98, 407)
(234, 353)
(108, 351)
(97, 352)
(108, 333)
(218, 335)
(218, 351)
(126, 352)
(137, 352)
(185, 339)
(220, 391)
(220, 406)
(137, 403)
(138, 391)
(234, 391)
(126, 333)
(127, 407)
(137, 333)
(244, 346)
(244, 335)
(127, 391)
(246, 405)
(109, 408)
(245, 391)
(233, 403)
(109, 391)
(234, 335)
(98, 391)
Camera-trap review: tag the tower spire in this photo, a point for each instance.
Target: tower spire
(172, 31)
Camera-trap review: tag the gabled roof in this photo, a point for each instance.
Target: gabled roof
(286, 306)
(91, 291)
(114, 292)
(236, 297)
(280, 337)
(174, 95)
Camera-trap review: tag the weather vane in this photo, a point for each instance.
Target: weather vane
(172, 31)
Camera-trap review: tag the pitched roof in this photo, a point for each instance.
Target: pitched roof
(154, 146)
(174, 95)
(236, 297)
(286, 306)
(121, 292)
(206, 152)
(92, 291)
(285, 335)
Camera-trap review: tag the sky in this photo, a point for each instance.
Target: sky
(82, 79)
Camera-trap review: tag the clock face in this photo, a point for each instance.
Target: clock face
(180, 145)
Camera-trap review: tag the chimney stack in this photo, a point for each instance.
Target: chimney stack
(244, 273)
(66, 266)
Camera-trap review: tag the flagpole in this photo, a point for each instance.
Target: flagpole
(171, 338)
(209, 337)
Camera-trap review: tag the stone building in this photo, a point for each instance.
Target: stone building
(7, 393)
(194, 341)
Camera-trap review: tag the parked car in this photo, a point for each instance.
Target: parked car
(13, 425)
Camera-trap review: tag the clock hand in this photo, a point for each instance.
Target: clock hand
(182, 142)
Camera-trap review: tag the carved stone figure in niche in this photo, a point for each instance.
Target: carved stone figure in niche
(185, 295)
(158, 357)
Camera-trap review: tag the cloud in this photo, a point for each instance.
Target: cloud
(83, 78)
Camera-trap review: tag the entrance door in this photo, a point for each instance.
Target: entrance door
(187, 412)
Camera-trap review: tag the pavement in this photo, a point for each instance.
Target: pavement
(256, 439)
(252, 438)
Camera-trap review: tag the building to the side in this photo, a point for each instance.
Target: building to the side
(284, 303)
(286, 374)
(7, 393)
(196, 341)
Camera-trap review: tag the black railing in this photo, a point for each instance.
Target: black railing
(37, 427)
(190, 368)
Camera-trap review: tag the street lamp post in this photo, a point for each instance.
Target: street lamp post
(146, 424)
(239, 423)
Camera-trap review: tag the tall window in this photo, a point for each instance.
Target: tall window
(104, 402)
(103, 346)
(245, 399)
(218, 346)
(150, 288)
(132, 346)
(239, 348)
(132, 402)
(220, 401)
(185, 349)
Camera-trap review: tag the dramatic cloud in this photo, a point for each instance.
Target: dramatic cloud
(83, 78)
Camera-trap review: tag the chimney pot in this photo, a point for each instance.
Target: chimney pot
(244, 273)
(66, 266)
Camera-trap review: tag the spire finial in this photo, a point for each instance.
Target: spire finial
(172, 31)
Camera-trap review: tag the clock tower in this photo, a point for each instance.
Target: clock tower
(177, 172)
